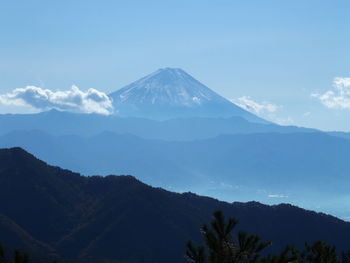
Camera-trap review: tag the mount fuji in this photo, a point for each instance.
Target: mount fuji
(172, 93)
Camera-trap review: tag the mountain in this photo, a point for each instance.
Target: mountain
(309, 169)
(120, 218)
(172, 93)
(66, 123)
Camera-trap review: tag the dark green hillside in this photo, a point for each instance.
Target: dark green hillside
(310, 168)
(47, 209)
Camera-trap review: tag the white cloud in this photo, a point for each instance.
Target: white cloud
(74, 99)
(264, 109)
(249, 104)
(281, 121)
(229, 186)
(339, 97)
(277, 196)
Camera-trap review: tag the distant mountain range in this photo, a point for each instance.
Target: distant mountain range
(52, 212)
(172, 93)
(192, 139)
(309, 169)
(65, 123)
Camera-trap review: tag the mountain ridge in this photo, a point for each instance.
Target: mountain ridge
(63, 123)
(297, 167)
(104, 217)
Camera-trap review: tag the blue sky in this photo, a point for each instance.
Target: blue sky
(270, 52)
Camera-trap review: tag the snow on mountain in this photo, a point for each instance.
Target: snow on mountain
(172, 93)
(173, 87)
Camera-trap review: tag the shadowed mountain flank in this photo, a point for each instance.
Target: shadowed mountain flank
(119, 217)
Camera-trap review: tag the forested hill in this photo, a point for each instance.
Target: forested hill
(48, 210)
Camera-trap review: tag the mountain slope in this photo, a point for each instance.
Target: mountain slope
(51, 193)
(63, 123)
(17, 237)
(308, 169)
(118, 217)
(171, 93)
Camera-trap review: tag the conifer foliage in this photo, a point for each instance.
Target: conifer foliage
(320, 252)
(2, 255)
(18, 257)
(222, 247)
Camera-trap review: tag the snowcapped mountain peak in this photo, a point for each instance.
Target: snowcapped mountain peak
(171, 93)
(174, 71)
(166, 86)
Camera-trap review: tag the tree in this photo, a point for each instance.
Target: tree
(320, 252)
(288, 255)
(19, 257)
(345, 257)
(2, 255)
(221, 247)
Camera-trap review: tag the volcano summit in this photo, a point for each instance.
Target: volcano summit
(173, 93)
